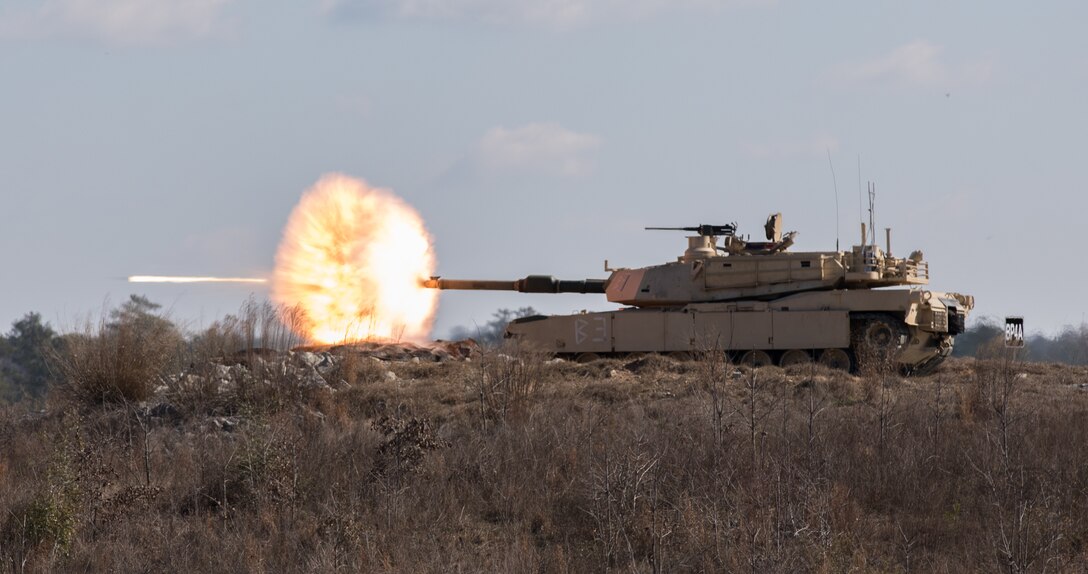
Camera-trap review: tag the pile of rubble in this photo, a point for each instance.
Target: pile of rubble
(315, 368)
(312, 366)
(438, 351)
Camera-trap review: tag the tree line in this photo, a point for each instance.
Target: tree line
(25, 371)
(26, 351)
(1069, 346)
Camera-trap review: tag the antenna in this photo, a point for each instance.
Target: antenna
(872, 212)
(836, 184)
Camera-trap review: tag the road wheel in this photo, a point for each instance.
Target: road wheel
(794, 357)
(878, 332)
(835, 359)
(877, 339)
(755, 359)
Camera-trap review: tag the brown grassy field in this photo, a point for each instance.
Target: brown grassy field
(512, 463)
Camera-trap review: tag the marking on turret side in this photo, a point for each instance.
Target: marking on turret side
(597, 333)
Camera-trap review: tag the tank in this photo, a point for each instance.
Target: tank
(759, 302)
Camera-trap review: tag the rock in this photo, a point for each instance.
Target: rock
(313, 379)
(327, 364)
(390, 376)
(162, 410)
(313, 414)
(191, 381)
(226, 424)
(650, 362)
(460, 349)
(308, 358)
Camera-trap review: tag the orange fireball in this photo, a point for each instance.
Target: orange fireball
(352, 259)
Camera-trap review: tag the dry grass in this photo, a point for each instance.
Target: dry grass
(514, 464)
(257, 328)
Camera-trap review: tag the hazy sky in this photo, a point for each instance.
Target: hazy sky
(537, 136)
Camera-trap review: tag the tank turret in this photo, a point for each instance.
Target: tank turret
(739, 269)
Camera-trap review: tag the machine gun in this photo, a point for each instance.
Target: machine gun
(704, 230)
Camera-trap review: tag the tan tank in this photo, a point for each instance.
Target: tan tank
(757, 301)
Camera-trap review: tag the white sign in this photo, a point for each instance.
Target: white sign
(1014, 332)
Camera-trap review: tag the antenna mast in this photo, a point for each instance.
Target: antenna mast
(872, 213)
(836, 185)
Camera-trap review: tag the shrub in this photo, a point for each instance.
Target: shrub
(120, 359)
(261, 470)
(507, 381)
(50, 517)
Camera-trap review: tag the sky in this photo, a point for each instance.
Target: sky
(537, 136)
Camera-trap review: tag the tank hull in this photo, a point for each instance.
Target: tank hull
(913, 323)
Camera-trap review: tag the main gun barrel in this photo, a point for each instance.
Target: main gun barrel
(530, 284)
